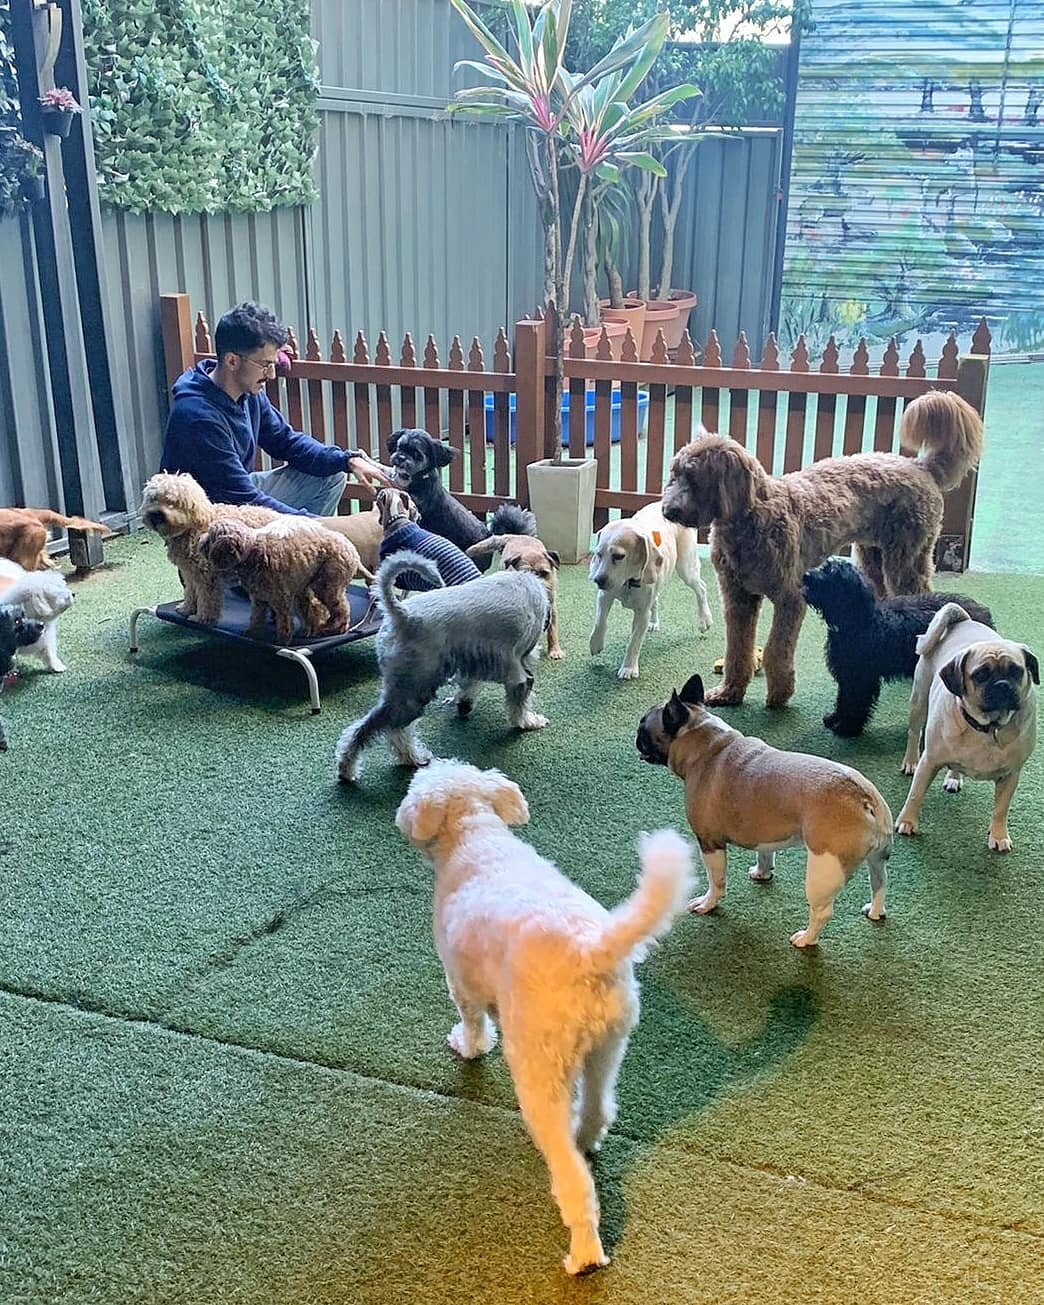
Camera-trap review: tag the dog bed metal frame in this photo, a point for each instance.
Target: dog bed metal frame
(235, 616)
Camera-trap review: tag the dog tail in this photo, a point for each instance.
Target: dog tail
(663, 888)
(950, 429)
(48, 518)
(389, 571)
(510, 519)
(941, 624)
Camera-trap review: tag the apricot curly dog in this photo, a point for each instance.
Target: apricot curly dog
(768, 531)
(176, 506)
(286, 566)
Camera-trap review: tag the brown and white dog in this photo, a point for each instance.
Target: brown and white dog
(364, 530)
(740, 790)
(526, 553)
(973, 699)
(633, 561)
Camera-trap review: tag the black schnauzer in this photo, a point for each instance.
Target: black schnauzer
(417, 460)
(16, 631)
(870, 640)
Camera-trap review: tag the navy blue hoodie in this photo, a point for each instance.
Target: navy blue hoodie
(215, 439)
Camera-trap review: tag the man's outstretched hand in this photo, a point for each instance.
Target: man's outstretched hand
(369, 473)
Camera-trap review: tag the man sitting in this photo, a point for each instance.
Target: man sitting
(220, 416)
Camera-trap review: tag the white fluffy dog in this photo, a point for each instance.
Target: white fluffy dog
(633, 561)
(43, 596)
(517, 939)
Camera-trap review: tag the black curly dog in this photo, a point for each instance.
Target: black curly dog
(16, 631)
(870, 640)
(417, 460)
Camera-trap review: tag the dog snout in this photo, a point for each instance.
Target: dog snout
(601, 581)
(1000, 695)
(672, 513)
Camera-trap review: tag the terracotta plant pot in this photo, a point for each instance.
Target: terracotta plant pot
(660, 315)
(632, 314)
(686, 301)
(614, 330)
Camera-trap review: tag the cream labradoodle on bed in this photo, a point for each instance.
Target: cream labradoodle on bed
(767, 531)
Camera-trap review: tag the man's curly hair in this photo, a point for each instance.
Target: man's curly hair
(248, 327)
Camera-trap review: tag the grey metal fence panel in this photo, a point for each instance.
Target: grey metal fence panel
(28, 449)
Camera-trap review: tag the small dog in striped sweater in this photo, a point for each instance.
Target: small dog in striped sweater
(398, 516)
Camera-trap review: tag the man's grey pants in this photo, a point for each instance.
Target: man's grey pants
(319, 495)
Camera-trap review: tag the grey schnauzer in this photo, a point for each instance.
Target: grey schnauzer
(487, 630)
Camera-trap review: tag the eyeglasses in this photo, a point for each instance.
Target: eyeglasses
(263, 367)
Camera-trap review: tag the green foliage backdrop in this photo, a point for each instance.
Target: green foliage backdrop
(202, 105)
(19, 159)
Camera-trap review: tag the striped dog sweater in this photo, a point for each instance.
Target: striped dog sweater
(453, 564)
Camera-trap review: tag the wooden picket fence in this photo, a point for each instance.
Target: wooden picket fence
(358, 402)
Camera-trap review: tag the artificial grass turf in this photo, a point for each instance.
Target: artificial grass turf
(223, 1035)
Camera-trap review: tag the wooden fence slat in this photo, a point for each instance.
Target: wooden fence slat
(577, 396)
(766, 429)
(501, 422)
(794, 440)
(884, 422)
(361, 402)
(855, 408)
(629, 436)
(603, 421)
(477, 422)
(739, 399)
(339, 396)
(654, 470)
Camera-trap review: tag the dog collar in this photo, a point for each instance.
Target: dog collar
(634, 584)
(989, 728)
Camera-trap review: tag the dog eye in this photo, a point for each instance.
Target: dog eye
(616, 557)
(981, 675)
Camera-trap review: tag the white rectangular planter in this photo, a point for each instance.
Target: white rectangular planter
(561, 495)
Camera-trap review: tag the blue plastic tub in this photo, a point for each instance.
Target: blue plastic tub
(614, 431)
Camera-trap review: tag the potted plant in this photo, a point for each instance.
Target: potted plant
(58, 108)
(533, 88)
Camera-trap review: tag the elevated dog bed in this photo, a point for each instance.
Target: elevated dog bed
(235, 617)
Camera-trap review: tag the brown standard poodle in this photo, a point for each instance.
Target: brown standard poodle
(768, 531)
(289, 565)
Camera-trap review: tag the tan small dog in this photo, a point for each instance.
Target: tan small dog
(289, 565)
(634, 559)
(527, 553)
(176, 506)
(23, 534)
(364, 530)
(740, 790)
(973, 700)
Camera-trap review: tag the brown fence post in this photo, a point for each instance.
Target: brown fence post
(179, 352)
(530, 353)
(954, 550)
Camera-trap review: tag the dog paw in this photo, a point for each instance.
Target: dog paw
(57, 667)
(585, 1258)
(908, 767)
(905, 825)
(802, 939)
(532, 721)
(756, 874)
(724, 696)
(868, 911)
(704, 622)
(468, 1048)
(627, 672)
(557, 654)
(999, 844)
(703, 905)
(953, 783)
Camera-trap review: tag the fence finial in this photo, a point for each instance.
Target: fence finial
(861, 360)
(337, 353)
(629, 350)
(948, 359)
(577, 348)
(313, 353)
(712, 353)
(431, 354)
(770, 354)
(685, 354)
(456, 355)
(799, 358)
(741, 353)
(408, 354)
(890, 361)
(476, 361)
(361, 352)
(204, 344)
(830, 355)
(382, 356)
(292, 347)
(982, 341)
(660, 356)
(604, 351)
(915, 367)
(501, 353)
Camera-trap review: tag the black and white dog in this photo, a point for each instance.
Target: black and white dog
(417, 461)
(16, 631)
(870, 640)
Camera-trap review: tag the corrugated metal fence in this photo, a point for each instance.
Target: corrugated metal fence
(424, 224)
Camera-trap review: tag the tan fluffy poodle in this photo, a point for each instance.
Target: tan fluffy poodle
(289, 565)
(178, 509)
(768, 531)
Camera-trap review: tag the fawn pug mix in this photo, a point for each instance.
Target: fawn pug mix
(740, 790)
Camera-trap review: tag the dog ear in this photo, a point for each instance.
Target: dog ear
(1032, 665)
(651, 562)
(675, 715)
(444, 454)
(508, 800)
(393, 439)
(952, 675)
(486, 548)
(735, 484)
(411, 507)
(420, 816)
(692, 691)
(553, 558)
